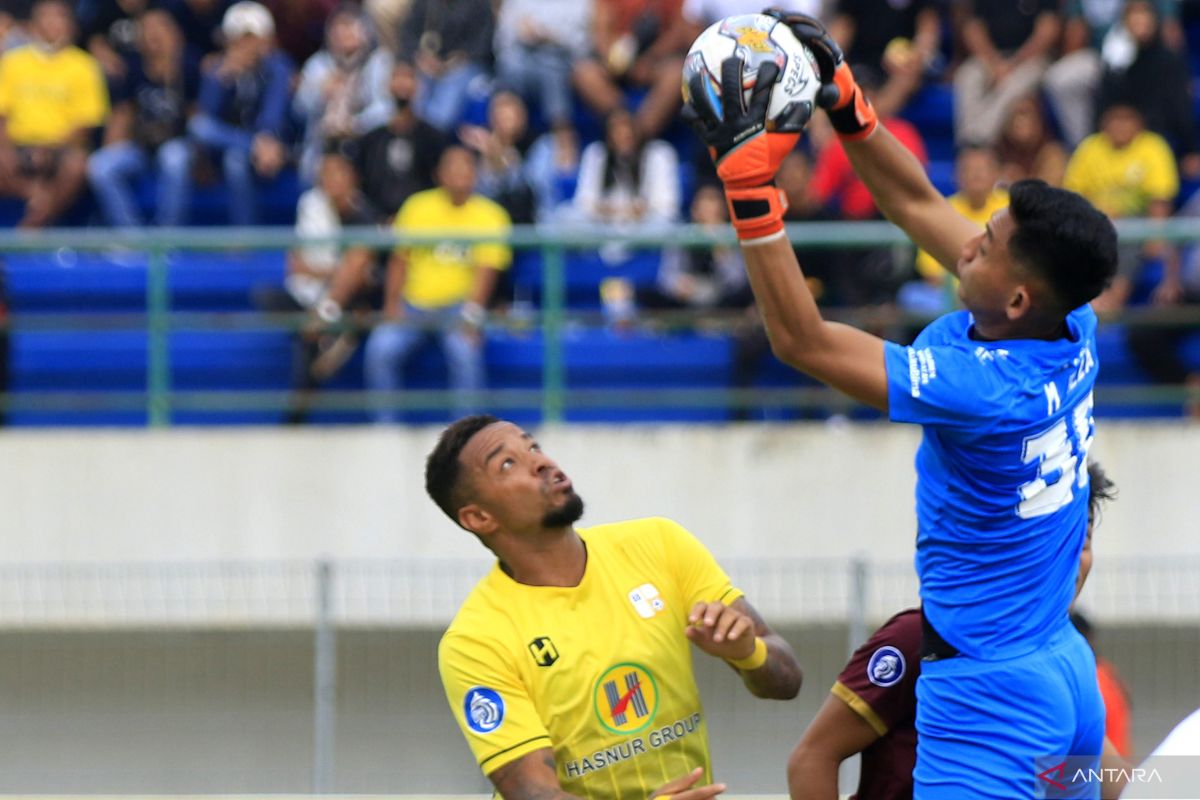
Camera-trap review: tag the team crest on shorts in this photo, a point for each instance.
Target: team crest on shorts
(886, 666)
(625, 698)
(484, 709)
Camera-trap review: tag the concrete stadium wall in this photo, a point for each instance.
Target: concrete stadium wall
(220, 712)
(800, 490)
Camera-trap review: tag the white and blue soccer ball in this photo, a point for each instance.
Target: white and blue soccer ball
(756, 39)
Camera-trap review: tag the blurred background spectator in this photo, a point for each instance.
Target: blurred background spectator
(1092, 27)
(200, 21)
(441, 290)
(1027, 147)
(1008, 46)
(108, 30)
(1155, 79)
(386, 15)
(52, 98)
(900, 38)
(343, 90)
(977, 172)
(501, 147)
(705, 277)
(244, 98)
(450, 44)
(301, 26)
(1126, 171)
(873, 275)
(538, 42)
(638, 48)
(148, 128)
(626, 181)
(326, 280)
(398, 158)
(14, 23)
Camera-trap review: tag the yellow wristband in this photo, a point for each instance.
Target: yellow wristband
(752, 661)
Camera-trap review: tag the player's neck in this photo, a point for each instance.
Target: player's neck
(556, 559)
(1047, 330)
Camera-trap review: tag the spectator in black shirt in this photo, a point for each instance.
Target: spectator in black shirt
(1156, 80)
(200, 21)
(1007, 44)
(450, 43)
(109, 31)
(398, 159)
(898, 37)
(147, 127)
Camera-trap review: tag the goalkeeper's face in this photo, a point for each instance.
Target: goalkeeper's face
(514, 486)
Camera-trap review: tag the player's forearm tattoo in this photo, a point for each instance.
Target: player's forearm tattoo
(513, 782)
(779, 677)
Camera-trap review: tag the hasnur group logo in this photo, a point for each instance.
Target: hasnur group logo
(625, 698)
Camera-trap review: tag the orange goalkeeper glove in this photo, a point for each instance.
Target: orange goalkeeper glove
(849, 111)
(747, 147)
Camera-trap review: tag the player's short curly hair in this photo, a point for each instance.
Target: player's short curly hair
(442, 465)
(1063, 239)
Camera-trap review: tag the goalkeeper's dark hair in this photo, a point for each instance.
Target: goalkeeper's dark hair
(1064, 240)
(442, 467)
(1101, 490)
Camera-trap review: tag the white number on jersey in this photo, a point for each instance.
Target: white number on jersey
(1061, 453)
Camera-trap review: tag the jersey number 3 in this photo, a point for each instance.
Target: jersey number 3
(1061, 454)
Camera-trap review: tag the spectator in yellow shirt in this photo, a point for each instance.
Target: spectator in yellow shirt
(976, 171)
(52, 97)
(441, 289)
(1127, 171)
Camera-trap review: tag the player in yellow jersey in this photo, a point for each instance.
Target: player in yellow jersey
(568, 668)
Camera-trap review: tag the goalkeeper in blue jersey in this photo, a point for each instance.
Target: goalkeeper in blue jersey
(1003, 390)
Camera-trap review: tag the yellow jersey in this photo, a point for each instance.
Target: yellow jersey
(443, 275)
(1121, 183)
(927, 265)
(45, 96)
(600, 672)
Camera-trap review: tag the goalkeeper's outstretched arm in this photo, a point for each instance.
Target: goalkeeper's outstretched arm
(896, 179)
(906, 196)
(838, 355)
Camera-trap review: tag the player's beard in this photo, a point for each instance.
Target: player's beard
(567, 514)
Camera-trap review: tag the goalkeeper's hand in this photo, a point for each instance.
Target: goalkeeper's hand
(849, 111)
(747, 147)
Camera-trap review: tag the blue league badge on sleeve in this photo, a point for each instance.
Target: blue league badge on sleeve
(483, 709)
(886, 666)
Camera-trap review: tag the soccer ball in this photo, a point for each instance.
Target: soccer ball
(755, 38)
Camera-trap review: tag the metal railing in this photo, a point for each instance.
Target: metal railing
(160, 400)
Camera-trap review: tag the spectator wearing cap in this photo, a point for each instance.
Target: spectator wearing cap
(343, 91)
(52, 98)
(149, 126)
(450, 44)
(244, 101)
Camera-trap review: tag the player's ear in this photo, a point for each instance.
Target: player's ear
(1019, 302)
(477, 519)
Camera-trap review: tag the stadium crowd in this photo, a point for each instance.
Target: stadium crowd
(479, 114)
